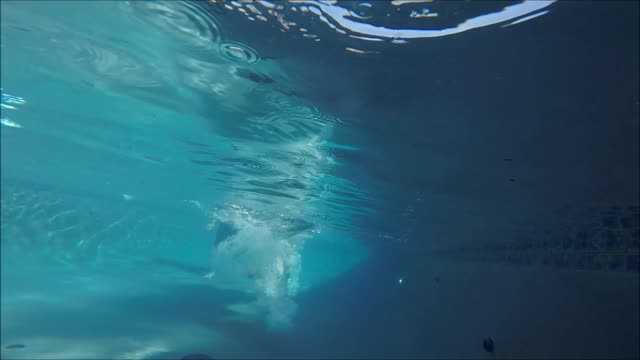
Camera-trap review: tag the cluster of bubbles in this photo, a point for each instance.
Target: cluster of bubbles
(371, 21)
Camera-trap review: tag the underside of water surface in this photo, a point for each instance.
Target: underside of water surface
(319, 179)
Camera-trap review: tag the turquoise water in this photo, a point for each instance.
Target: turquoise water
(131, 153)
(316, 179)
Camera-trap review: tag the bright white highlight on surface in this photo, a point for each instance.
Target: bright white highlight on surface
(532, 16)
(9, 123)
(341, 16)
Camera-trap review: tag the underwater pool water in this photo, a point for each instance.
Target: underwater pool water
(319, 179)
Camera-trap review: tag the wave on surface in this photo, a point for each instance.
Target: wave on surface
(365, 23)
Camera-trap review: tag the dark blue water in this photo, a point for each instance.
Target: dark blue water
(320, 179)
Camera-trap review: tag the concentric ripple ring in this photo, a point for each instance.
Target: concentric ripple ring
(238, 52)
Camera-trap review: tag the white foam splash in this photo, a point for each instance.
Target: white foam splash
(259, 260)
